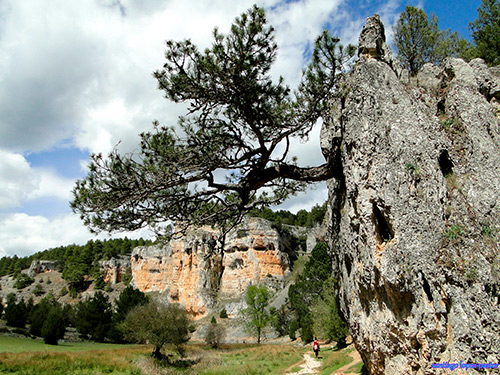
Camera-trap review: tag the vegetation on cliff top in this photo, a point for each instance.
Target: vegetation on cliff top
(419, 40)
(84, 257)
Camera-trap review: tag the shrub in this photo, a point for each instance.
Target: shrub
(158, 324)
(16, 313)
(38, 291)
(23, 280)
(215, 335)
(223, 314)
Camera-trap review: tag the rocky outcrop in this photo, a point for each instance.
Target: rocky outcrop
(41, 266)
(415, 211)
(114, 269)
(201, 269)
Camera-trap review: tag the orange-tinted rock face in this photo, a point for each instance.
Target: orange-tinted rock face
(195, 270)
(114, 269)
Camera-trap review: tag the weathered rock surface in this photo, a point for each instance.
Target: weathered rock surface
(114, 269)
(199, 271)
(41, 266)
(415, 210)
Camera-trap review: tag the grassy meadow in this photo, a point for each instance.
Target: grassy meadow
(32, 357)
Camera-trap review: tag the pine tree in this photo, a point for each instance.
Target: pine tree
(486, 32)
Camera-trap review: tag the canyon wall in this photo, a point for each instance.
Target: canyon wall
(200, 269)
(415, 209)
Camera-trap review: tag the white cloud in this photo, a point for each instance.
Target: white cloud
(80, 73)
(16, 180)
(23, 235)
(51, 185)
(20, 183)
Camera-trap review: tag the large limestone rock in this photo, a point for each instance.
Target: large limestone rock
(42, 266)
(114, 269)
(415, 211)
(200, 270)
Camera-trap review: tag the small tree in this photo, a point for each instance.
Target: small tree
(215, 334)
(328, 323)
(158, 324)
(486, 32)
(419, 40)
(74, 274)
(54, 326)
(256, 314)
(280, 319)
(128, 299)
(93, 317)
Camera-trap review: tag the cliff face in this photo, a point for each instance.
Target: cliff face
(415, 210)
(114, 269)
(198, 271)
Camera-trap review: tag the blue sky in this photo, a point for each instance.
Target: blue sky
(76, 78)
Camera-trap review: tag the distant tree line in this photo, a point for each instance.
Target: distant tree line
(94, 318)
(302, 218)
(86, 257)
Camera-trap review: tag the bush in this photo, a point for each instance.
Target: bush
(93, 317)
(223, 314)
(215, 335)
(63, 292)
(38, 291)
(23, 280)
(158, 324)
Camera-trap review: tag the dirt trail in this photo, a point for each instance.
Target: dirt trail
(308, 366)
(356, 359)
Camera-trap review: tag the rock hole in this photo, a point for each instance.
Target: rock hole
(445, 163)
(427, 288)
(441, 108)
(348, 265)
(383, 228)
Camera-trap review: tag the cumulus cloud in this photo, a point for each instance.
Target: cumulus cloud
(22, 234)
(50, 184)
(16, 180)
(79, 73)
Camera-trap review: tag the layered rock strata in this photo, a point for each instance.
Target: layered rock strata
(415, 210)
(200, 268)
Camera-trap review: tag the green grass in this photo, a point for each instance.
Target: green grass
(357, 369)
(21, 356)
(22, 345)
(333, 360)
(256, 360)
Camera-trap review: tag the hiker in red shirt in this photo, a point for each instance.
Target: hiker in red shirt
(316, 347)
